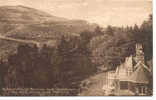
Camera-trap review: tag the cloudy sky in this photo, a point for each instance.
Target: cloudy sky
(103, 12)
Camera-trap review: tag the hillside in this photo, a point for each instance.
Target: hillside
(29, 23)
(19, 22)
(23, 14)
(80, 59)
(108, 46)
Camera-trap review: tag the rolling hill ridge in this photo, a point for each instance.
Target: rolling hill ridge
(29, 23)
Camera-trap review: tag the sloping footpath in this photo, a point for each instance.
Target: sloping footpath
(93, 85)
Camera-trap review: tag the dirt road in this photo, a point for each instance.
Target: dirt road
(18, 40)
(95, 84)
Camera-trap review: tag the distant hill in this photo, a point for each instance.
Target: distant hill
(23, 14)
(26, 23)
(29, 23)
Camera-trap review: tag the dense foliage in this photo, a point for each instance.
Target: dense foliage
(48, 67)
(75, 58)
(110, 46)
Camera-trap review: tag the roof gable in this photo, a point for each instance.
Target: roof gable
(141, 74)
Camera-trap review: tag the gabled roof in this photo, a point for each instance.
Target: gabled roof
(129, 62)
(141, 74)
(121, 73)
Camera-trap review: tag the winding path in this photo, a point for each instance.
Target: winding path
(19, 40)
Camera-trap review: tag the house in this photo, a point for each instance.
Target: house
(133, 77)
(109, 87)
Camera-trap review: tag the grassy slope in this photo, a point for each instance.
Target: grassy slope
(31, 24)
(24, 22)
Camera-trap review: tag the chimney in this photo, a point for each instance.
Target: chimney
(139, 53)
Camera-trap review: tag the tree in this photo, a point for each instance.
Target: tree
(74, 62)
(98, 31)
(3, 74)
(147, 36)
(110, 30)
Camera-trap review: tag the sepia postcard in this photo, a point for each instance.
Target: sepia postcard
(76, 48)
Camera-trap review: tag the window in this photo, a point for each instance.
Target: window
(123, 85)
(142, 89)
(129, 72)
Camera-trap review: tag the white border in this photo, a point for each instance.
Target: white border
(110, 98)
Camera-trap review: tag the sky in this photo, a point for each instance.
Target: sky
(102, 12)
